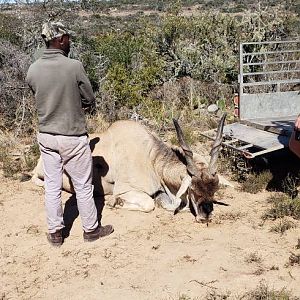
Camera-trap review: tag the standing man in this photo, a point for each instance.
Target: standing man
(61, 87)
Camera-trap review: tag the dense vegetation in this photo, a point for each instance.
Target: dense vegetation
(151, 65)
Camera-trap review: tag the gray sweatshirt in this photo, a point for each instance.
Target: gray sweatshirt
(61, 86)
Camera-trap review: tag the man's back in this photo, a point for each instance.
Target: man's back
(57, 82)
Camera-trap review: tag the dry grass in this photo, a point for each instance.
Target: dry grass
(290, 185)
(9, 155)
(31, 156)
(15, 156)
(96, 123)
(255, 183)
(294, 259)
(214, 295)
(263, 292)
(253, 258)
(282, 205)
(228, 216)
(190, 137)
(282, 226)
(184, 297)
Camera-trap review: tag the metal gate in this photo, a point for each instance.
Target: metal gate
(268, 79)
(268, 100)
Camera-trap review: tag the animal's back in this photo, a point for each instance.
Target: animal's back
(127, 148)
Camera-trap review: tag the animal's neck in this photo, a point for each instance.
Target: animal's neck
(168, 165)
(172, 176)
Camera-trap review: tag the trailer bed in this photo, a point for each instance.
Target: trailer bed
(279, 125)
(258, 137)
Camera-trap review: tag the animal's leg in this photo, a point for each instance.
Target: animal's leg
(135, 200)
(163, 200)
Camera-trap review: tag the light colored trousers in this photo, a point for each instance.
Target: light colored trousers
(72, 154)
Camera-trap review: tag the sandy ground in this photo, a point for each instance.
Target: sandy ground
(149, 256)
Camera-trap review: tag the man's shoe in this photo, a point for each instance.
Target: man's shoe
(99, 232)
(56, 238)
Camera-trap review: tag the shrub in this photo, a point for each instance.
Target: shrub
(129, 58)
(16, 106)
(282, 205)
(133, 67)
(263, 292)
(255, 183)
(31, 157)
(283, 226)
(9, 26)
(294, 259)
(253, 258)
(11, 165)
(17, 156)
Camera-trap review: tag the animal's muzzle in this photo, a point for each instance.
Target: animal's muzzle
(207, 207)
(204, 212)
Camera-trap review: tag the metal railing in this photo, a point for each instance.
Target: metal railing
(269, 65)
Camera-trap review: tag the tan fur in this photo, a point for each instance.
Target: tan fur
(131, 165)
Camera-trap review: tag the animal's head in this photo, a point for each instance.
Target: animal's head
(201, 183)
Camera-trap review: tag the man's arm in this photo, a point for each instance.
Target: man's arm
(27, 80)
(85, 88)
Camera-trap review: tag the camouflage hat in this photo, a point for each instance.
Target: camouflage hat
(52, 30)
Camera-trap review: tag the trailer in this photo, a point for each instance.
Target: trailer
(268, 101)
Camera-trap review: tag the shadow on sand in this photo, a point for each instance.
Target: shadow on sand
(100, 168)
(283, 165)
(71, 212)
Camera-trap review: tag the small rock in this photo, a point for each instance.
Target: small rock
(212, 108)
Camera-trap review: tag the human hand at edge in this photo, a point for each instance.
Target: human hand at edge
(297, 123)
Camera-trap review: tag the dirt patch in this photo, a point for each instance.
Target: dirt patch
(149, 256)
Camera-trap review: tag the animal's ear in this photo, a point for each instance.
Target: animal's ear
(220, 203)
(184, 186)
(182, 205)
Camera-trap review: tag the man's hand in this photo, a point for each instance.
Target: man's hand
(297, 128)
(297, 124)
(89, 108)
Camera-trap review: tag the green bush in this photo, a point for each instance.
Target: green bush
(133, 67)
(128, 58)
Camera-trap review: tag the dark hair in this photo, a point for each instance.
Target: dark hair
(48, 43)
